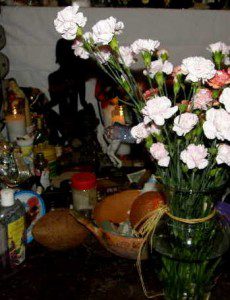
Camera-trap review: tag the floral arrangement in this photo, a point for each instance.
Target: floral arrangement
(185, 114)
(183, 119)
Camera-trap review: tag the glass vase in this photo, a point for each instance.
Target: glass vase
(190, 252)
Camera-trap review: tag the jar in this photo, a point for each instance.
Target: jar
(84, 192)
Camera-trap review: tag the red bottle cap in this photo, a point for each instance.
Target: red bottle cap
(83, 181)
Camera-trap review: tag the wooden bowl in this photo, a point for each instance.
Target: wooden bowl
(115, 208)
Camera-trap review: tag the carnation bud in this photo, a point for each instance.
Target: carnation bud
(176, 88)
(114, 44)
(79, 32)
(215, 94)
(164, 56)
(147, 58)
(159, 79)
(218, 58)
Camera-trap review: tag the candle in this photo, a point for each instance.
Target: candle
(118, 115)
(16, 126)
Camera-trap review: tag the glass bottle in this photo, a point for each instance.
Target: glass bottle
(41, 171)
(40, 138)
(84, 192)
(12, 216)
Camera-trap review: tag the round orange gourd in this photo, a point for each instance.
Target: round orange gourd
(144, 204)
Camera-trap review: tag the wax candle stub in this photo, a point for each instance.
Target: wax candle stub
(16, 126)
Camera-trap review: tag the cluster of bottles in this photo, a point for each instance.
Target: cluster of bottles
(12, 231)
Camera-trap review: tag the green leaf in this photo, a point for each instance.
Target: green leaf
(198, 131)
(213, 150)
(184, 168)
(213, 172)
(158, 137)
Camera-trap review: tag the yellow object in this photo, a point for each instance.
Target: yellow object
(118, 115)
(48, 151)
(15, 238)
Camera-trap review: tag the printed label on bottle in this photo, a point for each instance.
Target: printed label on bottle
(82, 203)
(16, 241)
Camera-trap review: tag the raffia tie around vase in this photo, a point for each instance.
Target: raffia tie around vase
(148, 228)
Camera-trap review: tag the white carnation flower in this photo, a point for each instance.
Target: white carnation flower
(158, 110)
(142, 131)
(217, 124)
(227, 60)
(104, 54)
(104, 30)
(167, 67)
(198, 69)
(142, 45)
(119, 26)
(127, 57)
(223, 155)
(68, 20)
(195, 156)
(79, 50)
(160, 66)
(218, 47)
(225, 98)
(184, 123)
(88, 36)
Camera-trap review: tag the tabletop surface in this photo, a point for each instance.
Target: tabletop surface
(88, 272)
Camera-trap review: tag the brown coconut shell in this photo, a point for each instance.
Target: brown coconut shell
(115, 208)
(144, 204)
(59, 230)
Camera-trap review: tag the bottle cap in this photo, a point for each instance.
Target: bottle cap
(83, 181)
(7, 197)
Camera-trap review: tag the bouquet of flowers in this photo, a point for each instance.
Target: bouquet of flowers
(184, 120)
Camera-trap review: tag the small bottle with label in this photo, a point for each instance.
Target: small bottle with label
(12, 216)
(41, 171)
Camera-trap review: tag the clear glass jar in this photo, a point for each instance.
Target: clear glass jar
(84, 192)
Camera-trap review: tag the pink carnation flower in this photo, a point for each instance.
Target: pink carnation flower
(223, 155)
(221, 79)
(159, 153)
(202, 99)
(195, 156)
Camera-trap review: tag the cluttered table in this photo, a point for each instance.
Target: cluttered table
(86, 272)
